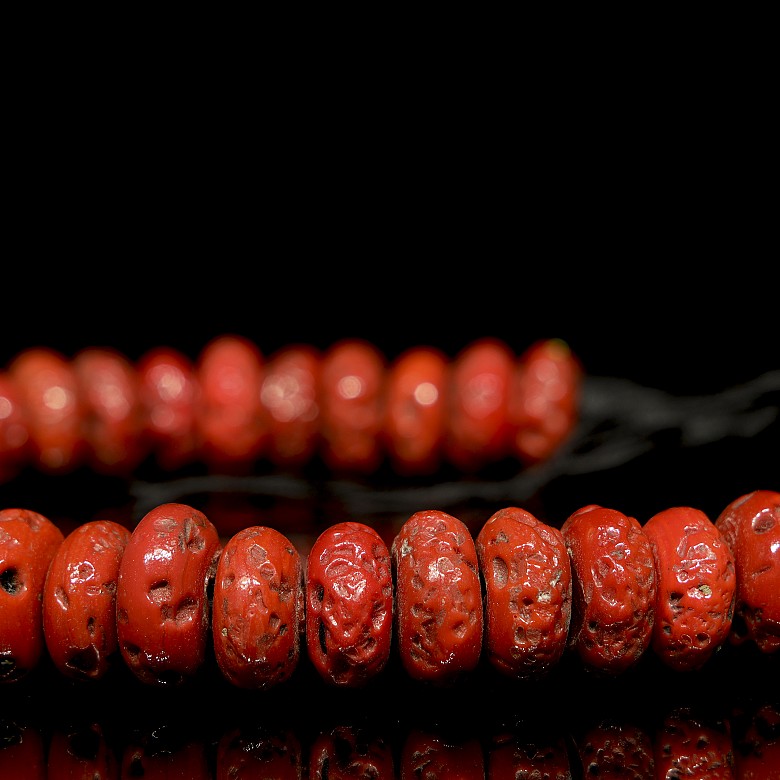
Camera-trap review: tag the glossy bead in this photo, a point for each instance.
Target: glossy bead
(696, 587)
(439, 612)
(613, 588)
(231, 421)
(289, 395)
(113, 414)
(751, 527)
(545, 400)
(162, 600)
(478, 401)
(51, 399)
(351, 387)
(415, 410)
(79, 599)
(349, 604)
(28, 542)
(258, 615)
(14, 437)
(528, 586)
(168, 390)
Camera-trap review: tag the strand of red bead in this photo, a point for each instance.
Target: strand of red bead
(232, 407)
(518, 595)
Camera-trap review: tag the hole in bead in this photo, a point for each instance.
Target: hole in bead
(186, 610)
(500, 572)
(764, 521)
(61, 597)
(321, 637)
(160, 592)
(85, 661)
(10, 581)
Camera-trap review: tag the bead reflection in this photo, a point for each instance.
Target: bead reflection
(259, 753)
(434, 753)
(616, 749)
(756, 738)
(81, 752)
(22, 752)
(513, 754)
(350, 752)
(164, 753)
(688, 745)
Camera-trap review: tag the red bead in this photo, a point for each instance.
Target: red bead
(544, 400)
(28, 542)
(478, 395)
(14, 437)
(528, 586)
(289, 395)
(258, 617)
(169, 390)
(231, 421)
(50, 396)
(79, 599)
(439, 612)
(351, 388)
(696, 587)
(349, 604)
(162, 607)
(751, 527)
(415, 410)
(613, 588)
(113, 414)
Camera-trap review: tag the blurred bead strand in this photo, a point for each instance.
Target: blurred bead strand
(231, 408)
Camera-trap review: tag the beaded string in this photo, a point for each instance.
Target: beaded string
(232, 408)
